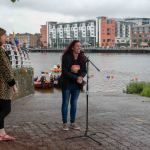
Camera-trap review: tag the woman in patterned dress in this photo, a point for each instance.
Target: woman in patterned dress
(7, 87)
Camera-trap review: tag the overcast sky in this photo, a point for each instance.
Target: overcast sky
(28, 15)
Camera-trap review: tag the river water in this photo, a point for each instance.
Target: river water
(116, 70)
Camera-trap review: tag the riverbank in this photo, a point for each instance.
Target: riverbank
(99, 50)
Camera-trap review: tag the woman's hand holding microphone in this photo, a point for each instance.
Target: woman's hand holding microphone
(79, 79)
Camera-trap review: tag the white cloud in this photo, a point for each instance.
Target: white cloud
(28, 15)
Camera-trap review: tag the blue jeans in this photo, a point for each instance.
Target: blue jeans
(69, 94)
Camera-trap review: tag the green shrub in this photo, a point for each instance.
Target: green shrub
(146, 92)
(135, 87)
(141, 88)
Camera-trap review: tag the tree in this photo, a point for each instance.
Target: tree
(13, 1)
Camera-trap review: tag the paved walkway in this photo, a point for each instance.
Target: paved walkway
(122, 122)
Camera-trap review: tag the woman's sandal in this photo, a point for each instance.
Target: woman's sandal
(6, 137)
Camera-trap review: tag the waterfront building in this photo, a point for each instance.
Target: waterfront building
(106, 29)
(26, 39)
(61, 34)
(123, 33)
(140, 36)
(44, 36)
(138, 21)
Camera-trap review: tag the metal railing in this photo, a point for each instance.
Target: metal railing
(18, 58)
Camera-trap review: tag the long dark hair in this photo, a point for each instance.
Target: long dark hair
(2, 32)
(82, 58)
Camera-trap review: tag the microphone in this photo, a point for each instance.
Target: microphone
(84, 56)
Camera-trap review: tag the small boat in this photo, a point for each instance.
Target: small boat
(48, 79)
(42, 83)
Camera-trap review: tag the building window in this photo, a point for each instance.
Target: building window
(109, 21)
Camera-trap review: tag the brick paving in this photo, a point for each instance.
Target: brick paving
(122, 122)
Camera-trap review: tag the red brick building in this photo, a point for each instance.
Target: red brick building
(140, 36)
(106, 32)
(44, 35)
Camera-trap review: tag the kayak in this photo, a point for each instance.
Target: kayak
(44, 85)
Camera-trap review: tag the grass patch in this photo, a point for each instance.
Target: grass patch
(141, 88)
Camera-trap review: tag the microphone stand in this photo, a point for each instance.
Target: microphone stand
(86, 135)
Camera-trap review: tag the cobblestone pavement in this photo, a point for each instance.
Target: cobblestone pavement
(122, 122)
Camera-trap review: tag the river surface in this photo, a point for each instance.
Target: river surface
(116, 70)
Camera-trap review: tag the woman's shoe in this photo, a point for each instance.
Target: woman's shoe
(65, 127)
(6, 137)
(74, 126)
